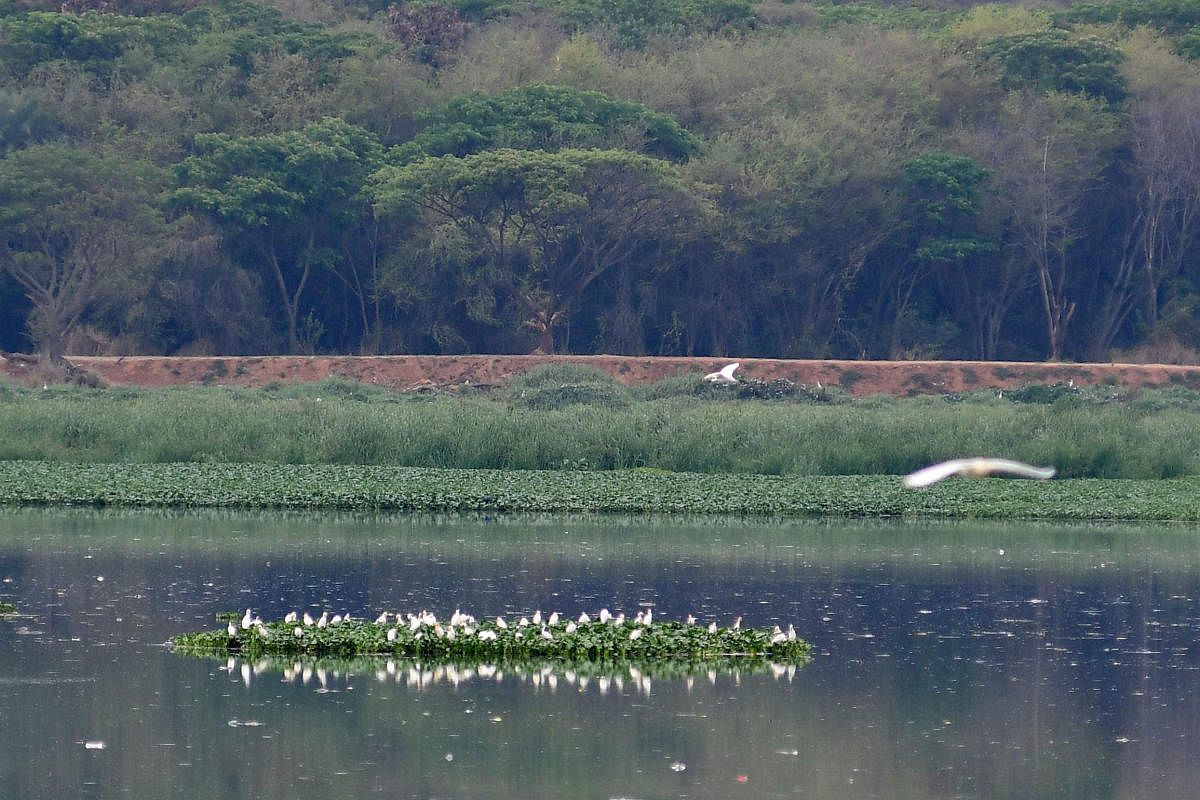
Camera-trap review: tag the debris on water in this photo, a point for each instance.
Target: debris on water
(678, 766)
(94, 744)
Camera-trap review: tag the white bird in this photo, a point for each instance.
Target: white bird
(725, 375)
(974, 468)
(247, 620)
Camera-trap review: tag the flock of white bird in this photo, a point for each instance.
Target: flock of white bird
(459, 624)
(975, 467)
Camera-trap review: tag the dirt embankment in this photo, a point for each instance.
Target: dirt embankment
(447, 373)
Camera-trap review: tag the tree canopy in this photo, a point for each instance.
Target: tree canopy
(801, 179)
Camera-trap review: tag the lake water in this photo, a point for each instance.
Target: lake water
(952, 660)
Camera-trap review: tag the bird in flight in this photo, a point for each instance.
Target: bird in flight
(725, 375)
(975, 468)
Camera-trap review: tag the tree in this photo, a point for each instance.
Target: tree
(542, 117)
(291, 199)
(73, 224)
(1056, 61)
(1047, 165)
(544, 225)
(945, 189)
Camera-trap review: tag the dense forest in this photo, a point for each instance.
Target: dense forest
(659, 177)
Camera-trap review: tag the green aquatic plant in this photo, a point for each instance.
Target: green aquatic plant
(422, 636)
(7, 609)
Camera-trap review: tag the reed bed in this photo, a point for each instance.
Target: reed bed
(583, 422)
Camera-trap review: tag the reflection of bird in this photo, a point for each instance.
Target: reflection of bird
(975, 468)
(725, 375)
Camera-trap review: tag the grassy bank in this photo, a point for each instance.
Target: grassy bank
(578, 419)
(285, 486)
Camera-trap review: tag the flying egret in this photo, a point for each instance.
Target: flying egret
(974, 468)
(725, 375)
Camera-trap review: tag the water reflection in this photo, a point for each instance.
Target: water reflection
(327, 674)
(953, 660)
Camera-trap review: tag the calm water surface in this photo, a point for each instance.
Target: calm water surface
(953, 660)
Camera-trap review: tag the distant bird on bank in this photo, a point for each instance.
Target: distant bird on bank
(725, 375)
(975, 468)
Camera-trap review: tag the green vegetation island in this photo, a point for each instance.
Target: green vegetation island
(772, 178)
(566, 438)
(602, 638)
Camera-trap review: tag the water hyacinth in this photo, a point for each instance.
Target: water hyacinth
(462, 637)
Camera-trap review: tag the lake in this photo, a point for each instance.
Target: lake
(987, 660)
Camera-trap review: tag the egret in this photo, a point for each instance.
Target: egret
(308, 620)
(382, 619)
(247, 620)
(291, 617)
(500, 623)
(975, 468)
(324, 620)
(725, 375)
(553, 619)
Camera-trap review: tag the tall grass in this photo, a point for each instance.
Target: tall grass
(588, 422)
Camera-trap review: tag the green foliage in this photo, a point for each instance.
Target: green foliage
(1174, 16)
(93, 40)
(1043, 393)
(579, 418)
(557, 386)
(1058, 61)
(245, 31)
(541, 117)
(882, 15)
(283, 486)
(634, 23)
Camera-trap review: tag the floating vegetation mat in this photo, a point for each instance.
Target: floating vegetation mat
(331, 674)
(7, 609)
(606, 638)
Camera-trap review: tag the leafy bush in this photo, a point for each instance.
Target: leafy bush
(554, 386)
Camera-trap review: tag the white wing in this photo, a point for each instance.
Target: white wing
(1019, 468)
(936, 472)
(975, 467)
(725, 375)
